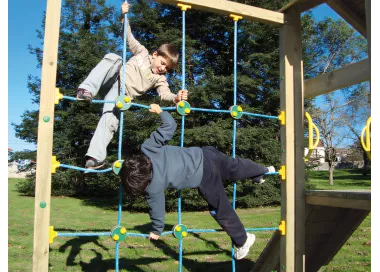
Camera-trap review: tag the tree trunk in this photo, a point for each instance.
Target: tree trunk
(331, 174)
(365, 158)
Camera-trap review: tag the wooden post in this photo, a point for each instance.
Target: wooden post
(292, 245)
(370, 11)
(45, 138)
(299, 209)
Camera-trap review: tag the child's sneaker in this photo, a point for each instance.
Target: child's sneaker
(241, 252)
(84, 95)
(92, 163)
(270, 170)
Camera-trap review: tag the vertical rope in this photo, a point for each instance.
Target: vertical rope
(235, 57)
(182, 131)
(234, 132)
(121, 136)
(117, 257)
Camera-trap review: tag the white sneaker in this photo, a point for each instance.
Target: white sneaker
(241, 252)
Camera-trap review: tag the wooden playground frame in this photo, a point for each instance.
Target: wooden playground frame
(293, 92)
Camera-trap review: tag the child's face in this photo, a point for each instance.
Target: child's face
(159, 64)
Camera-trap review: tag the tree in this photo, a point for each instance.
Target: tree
(327, 46)
(87, 33)
(328, 119)
(90, 29)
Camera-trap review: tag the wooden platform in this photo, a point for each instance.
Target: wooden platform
(331, 218)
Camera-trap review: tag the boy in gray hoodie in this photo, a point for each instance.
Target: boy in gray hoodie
(162, 166)
(142, 73)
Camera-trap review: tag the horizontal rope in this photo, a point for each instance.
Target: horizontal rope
(260, 115)
(130, 234)
(93, 101)
(85, 169)
(174, 108)
(67, 234)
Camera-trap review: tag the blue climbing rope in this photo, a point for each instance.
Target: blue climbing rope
(248, 114)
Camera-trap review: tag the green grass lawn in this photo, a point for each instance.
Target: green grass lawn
(343, 179)
(201, 252)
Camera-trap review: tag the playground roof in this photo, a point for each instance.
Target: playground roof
(352, 11)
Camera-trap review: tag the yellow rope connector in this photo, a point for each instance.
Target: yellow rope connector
(119, 105)
(54, 164)
(52, 234)
(281, 117)
(123, 230)
(281, 227)
(282, 172)
(183, 6)
(367, 145)
(312, 145)
(58, 96)
(236, 17)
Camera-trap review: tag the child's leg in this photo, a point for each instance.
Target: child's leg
(107, 126)
(234, 168)
(103, 75)
(212, 190)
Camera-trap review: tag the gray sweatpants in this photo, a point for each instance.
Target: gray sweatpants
(103, 79)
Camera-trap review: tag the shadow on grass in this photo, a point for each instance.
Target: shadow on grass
(133, 262)
(75, 246)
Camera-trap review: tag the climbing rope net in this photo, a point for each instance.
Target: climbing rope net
(180, 231)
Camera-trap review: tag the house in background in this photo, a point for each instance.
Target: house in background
(318, 154)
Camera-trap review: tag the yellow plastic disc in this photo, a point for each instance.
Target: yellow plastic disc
(178, 228)
(184, 233)
(123, 230)
(181, 104)
(119, 105)
(187, 111)
(240, 109)
(234, 113)
(116, 237)
(117, 164)
(127, 99)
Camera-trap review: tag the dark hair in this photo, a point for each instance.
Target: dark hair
(136, 174)
(170, 53)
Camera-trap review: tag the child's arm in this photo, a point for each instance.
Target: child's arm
(156, 205)
(163, 133)
(134, 46)
(164, 92)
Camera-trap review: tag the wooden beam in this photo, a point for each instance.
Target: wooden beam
(270, 257)
(45, 138)
(339, 202)
(224, 7)
(353, 199)
(344, 77)
(348, 15)
(302, 5)
(292, 247)
(370, 10)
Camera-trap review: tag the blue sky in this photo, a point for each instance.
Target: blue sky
(22, 26)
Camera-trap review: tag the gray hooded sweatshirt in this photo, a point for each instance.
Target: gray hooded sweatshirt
(173, 167)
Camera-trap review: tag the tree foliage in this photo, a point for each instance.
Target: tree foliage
(91, 29)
